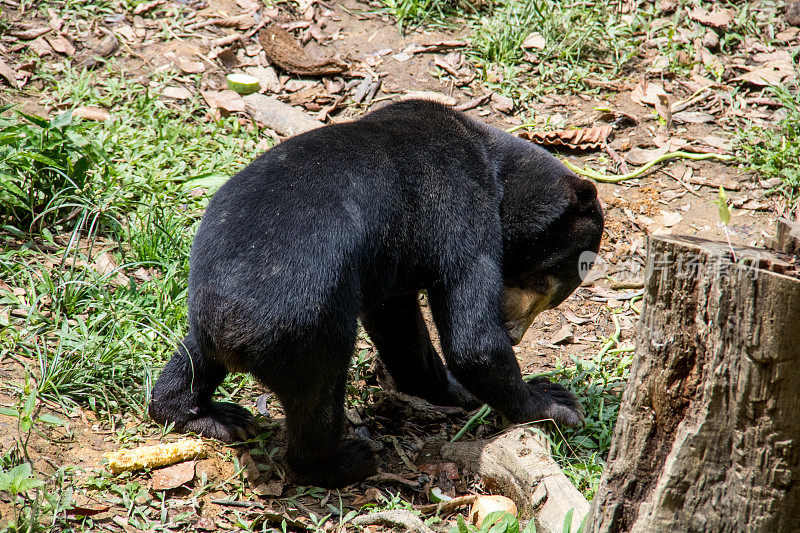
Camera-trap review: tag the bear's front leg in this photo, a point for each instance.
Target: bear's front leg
(479, 354)
(397, 328)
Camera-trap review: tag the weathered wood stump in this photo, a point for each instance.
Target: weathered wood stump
(708, 435)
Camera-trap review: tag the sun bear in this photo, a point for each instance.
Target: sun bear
(351, 221)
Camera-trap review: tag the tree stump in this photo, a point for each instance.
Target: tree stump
(708, 435)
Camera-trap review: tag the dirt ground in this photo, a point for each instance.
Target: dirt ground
(668, 200)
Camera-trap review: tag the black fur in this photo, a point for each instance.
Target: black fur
(352, 220)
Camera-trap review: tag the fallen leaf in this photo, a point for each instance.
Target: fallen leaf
(94, 57)
(715, 183)
(147, 6)
(640, 156)
(501, 103)
(270, 488)
(534, 41)
(669, 219)
(8, 73)
(60, 44)
(173, 476)
(104, 264)
(97, 114)
(719, 18)
(647, 94)
(564, 335)
(577, 139)
(190, 67)
(771, 74)
(664, 110)
(29, 34)
(693, 117)
(227, 100)
(283, 50)
(178, 93)
(575, 319)
(78, 510)
(267, 78)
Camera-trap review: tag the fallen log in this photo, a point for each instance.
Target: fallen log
(519, 464)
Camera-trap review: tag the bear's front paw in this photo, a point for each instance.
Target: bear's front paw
(550, 400)
(225, 421)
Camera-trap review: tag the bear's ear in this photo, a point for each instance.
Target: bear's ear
(585, 193)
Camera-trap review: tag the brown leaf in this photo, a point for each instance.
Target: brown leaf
(31, 33)
(104, 48)
(640, 156)
(105, 266)
(647, 93)
(178, 93)
(227, 100)
(664, 110)
(97, 114)
(270, 488)
(693, 117)
(78, 510)
(147, 6)
(719, 18)
(564, 335)
(8, 73)
(283, 50)
(242, 22)
(173, 476)
(60, 44)
(577, 139)
(190, 67)
(501, 103)
(534, 41)
(773, 73)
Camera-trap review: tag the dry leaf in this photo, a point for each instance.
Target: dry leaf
(501, 103)
(577, 139)
(178, 93)
(31, 33)
(104, 265)
(267, 77)
(227, 100)
(190, 67)
(693, 117)
(283, 50)
(8, 73)
(664, 110)
(647, 94)
(777, 71)
(243, 22)
(564, 335)
(97, 114)
(719, 18)
(669, 219)
(640, 156)
(534, 41)
(173, 476)
(147, 6)
(60, 44)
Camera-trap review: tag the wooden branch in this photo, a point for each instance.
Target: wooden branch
(520, 465)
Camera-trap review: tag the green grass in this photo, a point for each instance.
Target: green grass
(96, 343)
(775, 152)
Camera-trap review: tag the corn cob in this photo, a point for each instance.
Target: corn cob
(155, 456)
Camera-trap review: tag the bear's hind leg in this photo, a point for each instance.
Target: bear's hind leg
(314, 405)
(182, 395)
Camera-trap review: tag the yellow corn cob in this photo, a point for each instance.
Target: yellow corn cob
(154, 456)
